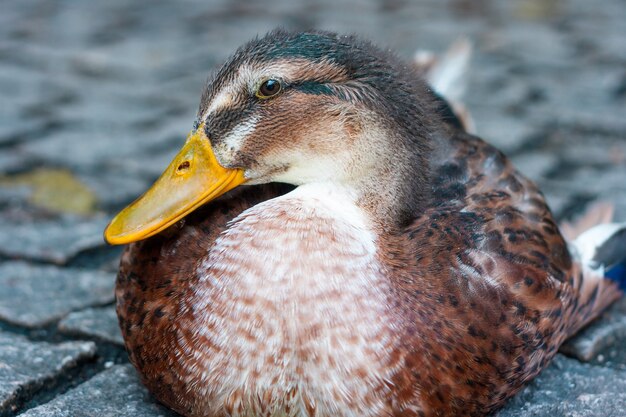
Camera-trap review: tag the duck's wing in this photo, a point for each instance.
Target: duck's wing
(514, 231)
(497, 286)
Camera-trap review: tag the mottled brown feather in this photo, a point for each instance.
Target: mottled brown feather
(482, 339)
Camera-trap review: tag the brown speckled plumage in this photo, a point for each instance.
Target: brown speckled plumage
(479, 289)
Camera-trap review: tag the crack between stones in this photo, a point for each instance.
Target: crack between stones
(37, 393)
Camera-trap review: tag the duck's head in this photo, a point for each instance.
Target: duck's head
(299, 108)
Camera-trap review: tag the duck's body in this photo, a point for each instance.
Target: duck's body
(274, 301)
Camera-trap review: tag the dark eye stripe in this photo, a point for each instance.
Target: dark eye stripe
(344, 92)
(314, 87)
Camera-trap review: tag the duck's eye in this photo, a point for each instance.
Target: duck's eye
(268, 88)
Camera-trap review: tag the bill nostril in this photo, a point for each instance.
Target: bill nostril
(183, 167)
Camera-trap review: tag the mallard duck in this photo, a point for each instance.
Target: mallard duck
(331, 242)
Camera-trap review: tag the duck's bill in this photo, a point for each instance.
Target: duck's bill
(192, 179)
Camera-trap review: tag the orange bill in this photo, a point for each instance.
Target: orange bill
(192, 179)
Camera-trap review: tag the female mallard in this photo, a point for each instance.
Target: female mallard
(411, 272)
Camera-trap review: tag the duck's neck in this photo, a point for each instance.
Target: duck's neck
(392, 193)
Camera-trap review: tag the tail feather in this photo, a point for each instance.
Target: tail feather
(612, 252)
(595, 294)
(602, 247)
(599, 250)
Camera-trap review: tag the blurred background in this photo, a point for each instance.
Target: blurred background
(96, 97)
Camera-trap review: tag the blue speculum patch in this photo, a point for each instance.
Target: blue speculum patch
(618, 274)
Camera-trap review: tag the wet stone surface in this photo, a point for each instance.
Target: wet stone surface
(98, 96)
(100, 323)
(600, 341)
(569, 388)
(50, 240)
(115, 392)
(26, 366)
(37, 295)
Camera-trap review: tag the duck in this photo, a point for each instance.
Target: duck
(331, 241)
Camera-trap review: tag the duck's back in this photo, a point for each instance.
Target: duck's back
(496, 286)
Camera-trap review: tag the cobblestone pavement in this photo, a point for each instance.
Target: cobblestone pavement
(97, 96)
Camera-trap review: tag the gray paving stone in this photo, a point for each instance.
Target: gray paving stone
(14, 195)
(99, 323)
(34, 295)
(603, 182)
(119, 109)
(573, 160)
(620, 206)
(507, 132)
(535, 165)
(145, 166)
(568, 388)
(115, 392)
(115, 190)
(557, 200)
(607, 331)
(88, 148)
(550, 48)
(51, 240)
(26, 366)
(11, 161)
